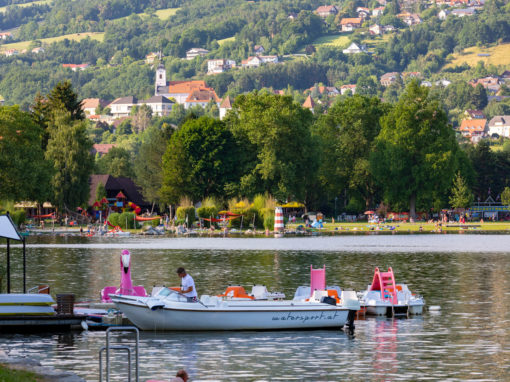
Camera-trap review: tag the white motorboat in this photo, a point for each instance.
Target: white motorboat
(312, 307)
(385, 297)
(168, 310)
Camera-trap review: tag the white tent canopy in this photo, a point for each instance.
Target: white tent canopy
(7, 228)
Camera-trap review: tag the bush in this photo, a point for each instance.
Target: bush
(19, 217)
(127, 220)
(269, 222)
(113, 218)
(248, 218)
(186, 212)
(207, 212)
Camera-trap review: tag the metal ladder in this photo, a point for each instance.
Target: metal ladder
(109, 347)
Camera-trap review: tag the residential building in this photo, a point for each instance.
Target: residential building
(388, 28)
(38, 50)
(500, 125)
(375, 30)
(330, 91)
(121, 107)
(10, 52)
(505, 76)
(5, 35)
(89, 105)
(269, 59)
(388, 78)
(474, 114)
(309, 103)
(443, 83)
(101, 149)
(411, 75)
(219, 66)
(201, 97)
(151, 57)
(160, 105)
(409, 18)
(376, 12)
(251, 62)
(474, 129)
(363, 12)
(443, 14)
(349, 24)
(355, 48)
(75, 67)
(326, 10)
(225, 105)
(463, 12)
(490, 83)
(258, 49)
(345, 88)
(196, 52)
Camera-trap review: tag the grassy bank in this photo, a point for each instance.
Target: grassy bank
(74, 37)
(11, 375)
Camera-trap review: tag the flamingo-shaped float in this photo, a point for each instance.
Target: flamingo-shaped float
(126, 284)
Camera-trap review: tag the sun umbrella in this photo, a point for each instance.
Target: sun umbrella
(369, 212)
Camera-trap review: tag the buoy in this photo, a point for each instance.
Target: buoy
(434, 308)
(278, 220)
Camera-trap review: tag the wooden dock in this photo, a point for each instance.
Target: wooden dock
(24, 324)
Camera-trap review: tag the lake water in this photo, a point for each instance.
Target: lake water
(467, 275)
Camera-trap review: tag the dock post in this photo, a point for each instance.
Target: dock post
(8, 266)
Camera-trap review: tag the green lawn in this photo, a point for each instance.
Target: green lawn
(39, 2)
(165, 14)
(337, 40)
(75, 37)
(228, 39)
(10, 375)
(497, 55)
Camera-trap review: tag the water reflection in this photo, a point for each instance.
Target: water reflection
(467, 339)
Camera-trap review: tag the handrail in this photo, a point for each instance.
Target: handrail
(118, 347)
(108, 347)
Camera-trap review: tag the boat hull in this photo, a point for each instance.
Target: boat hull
(241, 317)
(388, 310)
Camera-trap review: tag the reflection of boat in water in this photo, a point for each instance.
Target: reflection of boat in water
(385, 297)
(169, 310)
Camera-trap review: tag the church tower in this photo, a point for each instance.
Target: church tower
(160, 78)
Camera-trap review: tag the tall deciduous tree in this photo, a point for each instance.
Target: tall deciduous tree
(347, 134)
(200, 160)
(24, 174)
(116, 162)
(278, 149)
(416, 150)
(69, 151)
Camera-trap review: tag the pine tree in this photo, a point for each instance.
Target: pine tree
(461, 197)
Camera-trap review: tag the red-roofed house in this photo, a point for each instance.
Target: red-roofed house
(474, 129)
(225, 105)
(309, 103)
(326, 10)
(201, 97)
(345, 88)
(89, 105)
(349, 24)
(101, 148)
(75, 67)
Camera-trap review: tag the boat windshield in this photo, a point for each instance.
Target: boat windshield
(163, 292)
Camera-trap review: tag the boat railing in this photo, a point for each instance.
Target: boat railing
(109, 347)
(44, 289)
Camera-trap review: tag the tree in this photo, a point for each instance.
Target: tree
(100, 191)
(62, 97)
(148, 168)
(69, 151)
(141, 117)
(415, 153)
(116, 162)
(347, 134)
(24, 173)
(505, 196)
(461, 195)
(278, 150)
(200, 160)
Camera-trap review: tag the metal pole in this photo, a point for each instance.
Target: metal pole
(8, 266)
(24, 266)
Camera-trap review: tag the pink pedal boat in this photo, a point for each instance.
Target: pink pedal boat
(126, 284)
(385, 297)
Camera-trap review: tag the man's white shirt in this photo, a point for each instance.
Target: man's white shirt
(186, 282)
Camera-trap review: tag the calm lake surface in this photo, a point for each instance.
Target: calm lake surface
(467, 275)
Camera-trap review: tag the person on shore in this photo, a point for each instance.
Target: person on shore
(187, 285)
(181, 376)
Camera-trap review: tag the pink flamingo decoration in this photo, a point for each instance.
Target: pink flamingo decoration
(126, 284)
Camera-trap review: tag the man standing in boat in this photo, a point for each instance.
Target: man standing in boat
(187, 285)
